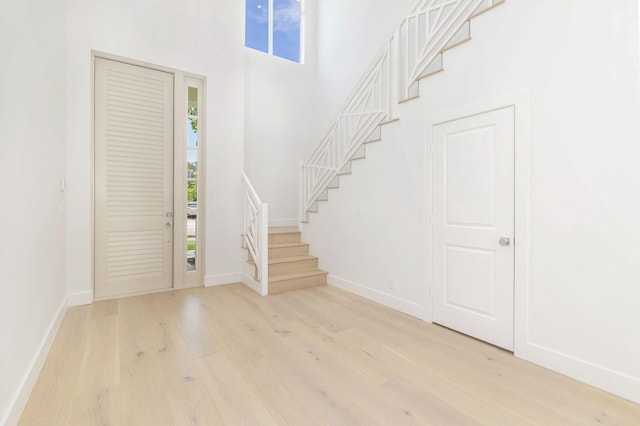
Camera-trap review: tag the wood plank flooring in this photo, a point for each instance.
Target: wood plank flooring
(318, 356)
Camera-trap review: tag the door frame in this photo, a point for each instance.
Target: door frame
(179, 169)
(522, 199)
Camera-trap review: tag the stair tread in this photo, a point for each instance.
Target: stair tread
(294, 275)
(290, 259)
(285, 245)
(282, 229)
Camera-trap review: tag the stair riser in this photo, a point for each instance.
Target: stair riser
(297, 283)
(288, 237)
(293, 267)
(280, 252)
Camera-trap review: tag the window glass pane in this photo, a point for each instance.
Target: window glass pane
(192, 167)
(192, 132)
(192, 224)
(192, 197)
(256, 33)
(286, 29)
(192, 248)
(193, 101)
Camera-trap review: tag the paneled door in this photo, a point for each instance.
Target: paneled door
(473, 226)
(133, 179)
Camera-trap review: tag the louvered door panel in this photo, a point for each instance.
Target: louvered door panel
(133, 179)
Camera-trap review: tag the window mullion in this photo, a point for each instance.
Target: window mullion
(271, 27)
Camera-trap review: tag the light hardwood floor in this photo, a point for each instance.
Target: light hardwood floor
(226, 355)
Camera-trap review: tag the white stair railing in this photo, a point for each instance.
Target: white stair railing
(372, 103)
(255, 237)
(413, 52)
(428, 30)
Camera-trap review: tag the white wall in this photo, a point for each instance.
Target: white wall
(203, 37)
(579, 61)
(281, 122)
(32, 158)
(350, 36)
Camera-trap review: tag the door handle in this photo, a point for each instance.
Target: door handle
(168, 224)
(504, 241)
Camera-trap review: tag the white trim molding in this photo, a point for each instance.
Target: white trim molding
(596, 375)
(251, 283)
(222, 279)
(403, 305)
(79, 299)
(23, 392)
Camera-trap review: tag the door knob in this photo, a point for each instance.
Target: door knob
(504, 241)
(168, 224)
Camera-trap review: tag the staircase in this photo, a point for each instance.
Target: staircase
(281, 261)
(290, 265)
(415, 52)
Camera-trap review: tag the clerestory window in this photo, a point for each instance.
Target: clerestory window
(275, 27)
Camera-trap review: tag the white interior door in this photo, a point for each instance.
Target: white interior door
(473, 226)
(133, 179)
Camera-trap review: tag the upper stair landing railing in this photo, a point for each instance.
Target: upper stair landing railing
(255, 236)
(433, 26)
(373, 102)
(414, 52)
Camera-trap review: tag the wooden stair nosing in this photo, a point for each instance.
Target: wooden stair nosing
(393, 120)
(282, 230)
(294, 275)
(279, 260)
(408, 99)
(422, 77)
(302, 265)
(286, 245)
(277, 251)
(493, 6)
(461, 36)
(454, 45)
(296, 281)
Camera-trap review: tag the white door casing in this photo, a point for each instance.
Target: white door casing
(473, 209)
(133, 214)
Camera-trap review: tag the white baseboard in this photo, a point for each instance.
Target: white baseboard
(283, 222)
(612, 381)
(251, 283)
(406, 306)
(222, 279)
(79, 299)
(19, 401)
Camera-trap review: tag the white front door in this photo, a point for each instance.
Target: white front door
(133, 179)
(473, 226)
